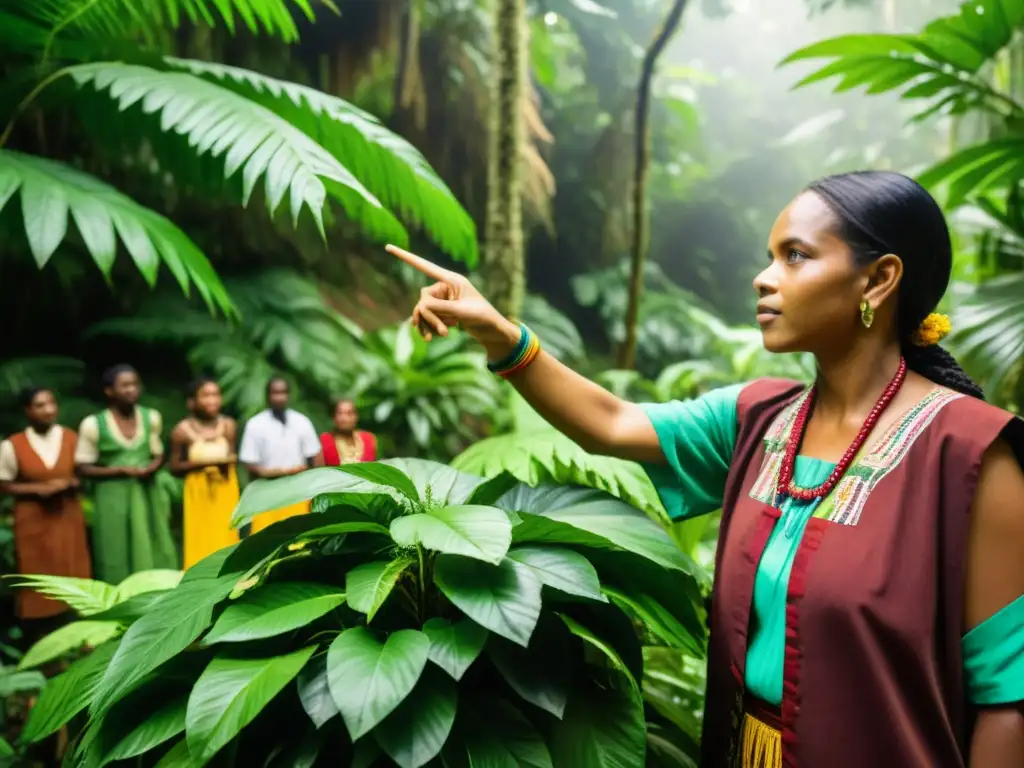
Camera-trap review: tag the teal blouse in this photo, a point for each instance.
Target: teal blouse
(697, 438)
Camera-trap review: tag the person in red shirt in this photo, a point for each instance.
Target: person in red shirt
(345, 444)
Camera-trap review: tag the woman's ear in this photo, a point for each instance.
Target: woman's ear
(884, 277)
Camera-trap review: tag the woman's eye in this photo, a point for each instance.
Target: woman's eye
(793, 255)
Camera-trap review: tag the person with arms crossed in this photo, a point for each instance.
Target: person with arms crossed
(119, 451)
(279, 442)
(868, 599)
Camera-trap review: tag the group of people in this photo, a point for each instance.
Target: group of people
(119, 451)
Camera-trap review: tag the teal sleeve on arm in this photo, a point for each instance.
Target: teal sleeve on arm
(697, 438)
(994, 657)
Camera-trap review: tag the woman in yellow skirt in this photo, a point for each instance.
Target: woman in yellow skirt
(203, 451)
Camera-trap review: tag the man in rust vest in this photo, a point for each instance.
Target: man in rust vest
(37, 467)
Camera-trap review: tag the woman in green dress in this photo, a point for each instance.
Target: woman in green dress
(120, 451)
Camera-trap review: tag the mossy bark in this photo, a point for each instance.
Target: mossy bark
(503, 265)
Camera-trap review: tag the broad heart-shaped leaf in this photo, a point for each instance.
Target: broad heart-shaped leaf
(274, 609)
(50, 191)
(383, 474)
(175, 622)
(541, 673)
(438, 482)
(562, 569)
(583, 516)
(415, 732)
(483, 533)
(230, 693)
(389, 166)
(368, 586)
(368, 679)
(454, 647)
(264, 495)
(68, 638)
(160, 726)
(67, 694)
(315, 693)
(601, 726)
(252, 139)
(504, 598)
(605, 648)
(491, 732)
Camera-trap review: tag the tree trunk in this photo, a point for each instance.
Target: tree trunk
(642, 139)
(503, 267)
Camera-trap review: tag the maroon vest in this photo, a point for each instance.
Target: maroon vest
(873, 673)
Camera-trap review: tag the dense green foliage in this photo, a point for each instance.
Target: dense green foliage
(417, 613)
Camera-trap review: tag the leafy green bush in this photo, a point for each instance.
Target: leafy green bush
(420, 616)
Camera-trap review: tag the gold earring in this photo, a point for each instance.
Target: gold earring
(867, 313)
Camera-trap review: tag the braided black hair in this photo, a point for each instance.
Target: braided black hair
(882, 212)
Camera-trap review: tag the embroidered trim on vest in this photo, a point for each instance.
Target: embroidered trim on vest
(846, 503)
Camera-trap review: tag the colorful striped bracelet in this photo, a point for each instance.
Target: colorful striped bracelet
(524, 353)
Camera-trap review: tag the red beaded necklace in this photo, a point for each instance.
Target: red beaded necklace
(787, 486)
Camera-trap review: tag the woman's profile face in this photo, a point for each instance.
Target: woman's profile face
(809, 294)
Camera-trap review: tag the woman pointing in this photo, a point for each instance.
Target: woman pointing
(867, 606)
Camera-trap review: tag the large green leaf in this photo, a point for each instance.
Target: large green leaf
(251, 138)
(561, 569)
(266, 495)
(156, 728)
(175, 622)
(50, 191)
(504, 598)
(68, 638)
(540, 674)
(415, 732)
(600, 645)
(67, 694)
(480, 532)
(442, 484)
(369, 679)
(230, 693)
(454, 647)
(544, 455)
(273, 610)
(601, 726)
(142, 582)
(993, 164)
(584, 516)
(368, 586)
(389, 166)
(315, 693)
(492, 733)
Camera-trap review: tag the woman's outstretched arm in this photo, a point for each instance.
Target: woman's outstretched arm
(587, 413)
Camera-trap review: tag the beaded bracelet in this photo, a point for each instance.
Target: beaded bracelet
(524, 353)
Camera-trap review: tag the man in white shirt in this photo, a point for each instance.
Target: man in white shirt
(279, 442)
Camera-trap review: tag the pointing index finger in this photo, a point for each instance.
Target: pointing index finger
(428, 268)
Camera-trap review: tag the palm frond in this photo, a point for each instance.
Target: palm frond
(251, 138)
(989, 332)
(385, 163)
(50, 191)
(85, 596)
(939, 64)
(981, 168)
(101, 19)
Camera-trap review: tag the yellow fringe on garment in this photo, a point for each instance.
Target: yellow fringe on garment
(762, 745)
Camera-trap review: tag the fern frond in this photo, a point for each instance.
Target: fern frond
(386, 164)
(50, 191)
(251, 138)
(85, 596)
(101, 19)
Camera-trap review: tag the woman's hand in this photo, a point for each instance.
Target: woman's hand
(453, 301)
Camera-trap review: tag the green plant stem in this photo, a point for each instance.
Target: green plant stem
(422, 586)
(20, 109)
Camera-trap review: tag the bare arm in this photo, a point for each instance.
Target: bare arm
(43, 490)
(585, 412)
(265, 473)
(97, 471)
(995, 578)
